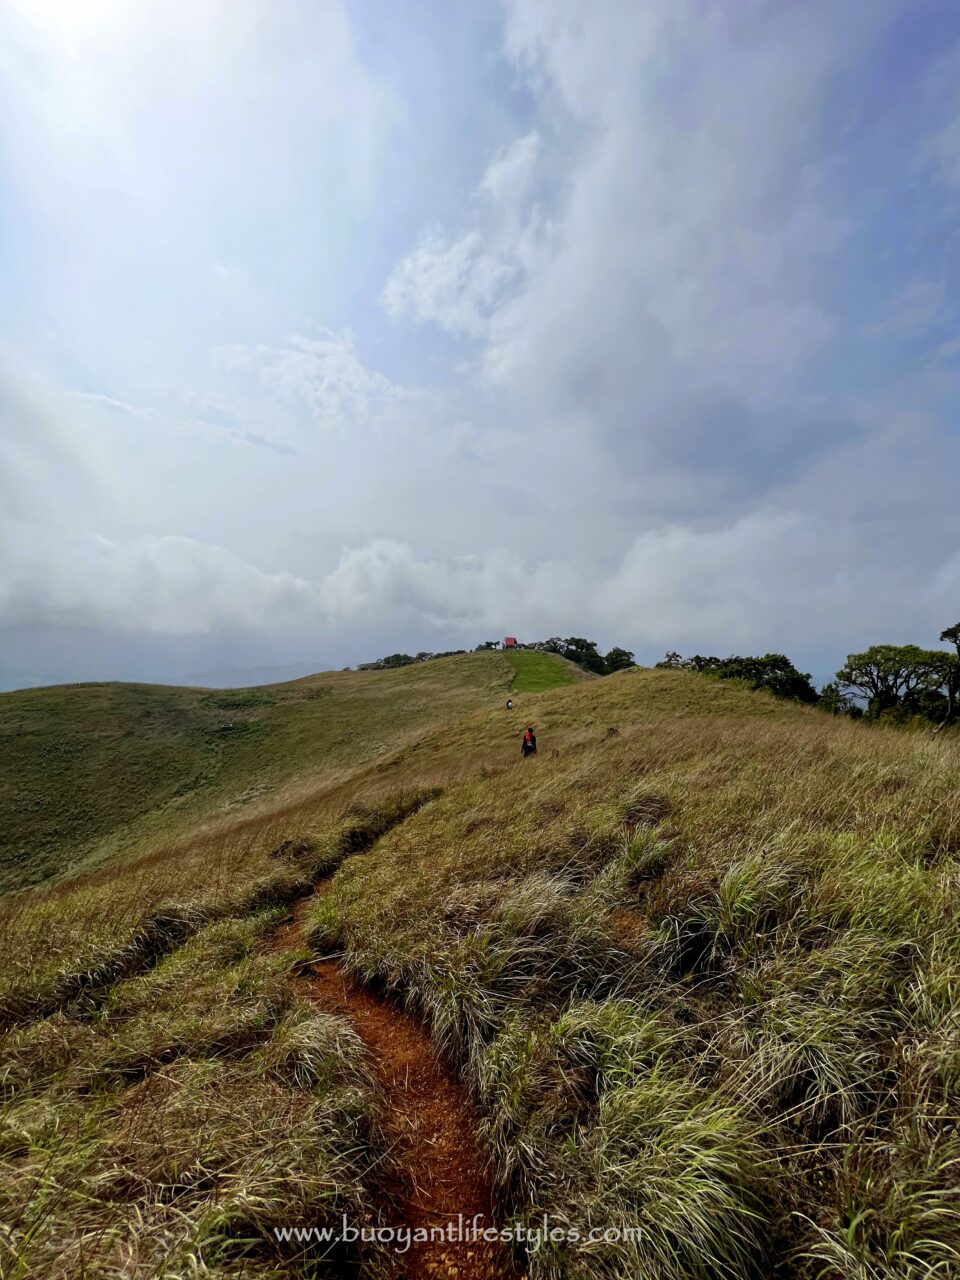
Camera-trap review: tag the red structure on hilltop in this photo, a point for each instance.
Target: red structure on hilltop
(509, 642)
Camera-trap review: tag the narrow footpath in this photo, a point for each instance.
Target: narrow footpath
(436, 1168)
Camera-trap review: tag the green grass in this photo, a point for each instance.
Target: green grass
(164, 1136)
(536, 672)
(698, 962)
(92, 771)
(689, 968)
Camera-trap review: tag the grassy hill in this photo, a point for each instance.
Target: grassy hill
(697, 963)
(93, 770)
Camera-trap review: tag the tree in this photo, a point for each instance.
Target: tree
(838, 704)
(398, 660)
(486, 645)
(773, 672)
(618, 660)
(891, 676)
(951, 635)
(583, 653)
(395, 660)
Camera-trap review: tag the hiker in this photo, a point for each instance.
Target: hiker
(528, 746)
(509, 704)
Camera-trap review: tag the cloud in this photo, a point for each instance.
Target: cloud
(945, 153)
(326, 375)
(590, 350)
(687, 230)
(757, 582)
(144, 413)
(509, 177)
(457, 282)
(452, 283)
(695, 226)
(149, 585)
(95, 78)
(948, 351)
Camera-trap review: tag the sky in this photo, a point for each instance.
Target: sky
(333, 329)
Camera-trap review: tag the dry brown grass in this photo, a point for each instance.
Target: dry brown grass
(702, 974)
(167, 1131)
(99, 771)
(770, 898)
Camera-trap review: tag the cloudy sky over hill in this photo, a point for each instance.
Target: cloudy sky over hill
(329, 329)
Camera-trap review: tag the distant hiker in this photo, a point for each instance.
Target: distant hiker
(529, 745)
(509, 704)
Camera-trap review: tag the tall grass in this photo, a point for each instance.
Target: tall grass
(702, 975)
(96, 772)
(689, 969)
(167, 1099)
(170, 1129)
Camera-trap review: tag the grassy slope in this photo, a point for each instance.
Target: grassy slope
(536, 672)
(98, 769)
(702, 972)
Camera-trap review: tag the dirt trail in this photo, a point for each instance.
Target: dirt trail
(437, 1168)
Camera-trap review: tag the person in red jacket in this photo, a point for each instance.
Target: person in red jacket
(528, 747)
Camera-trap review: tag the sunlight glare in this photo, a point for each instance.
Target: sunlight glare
(76, 26)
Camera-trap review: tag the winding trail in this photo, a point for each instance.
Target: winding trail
(437, 1168)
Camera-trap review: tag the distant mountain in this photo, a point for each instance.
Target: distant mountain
(224, 678)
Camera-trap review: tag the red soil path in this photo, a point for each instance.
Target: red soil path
(437, 1168)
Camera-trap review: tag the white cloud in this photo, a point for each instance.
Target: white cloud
(695, 225)
(95, 76)
(688, 228)
(655, 248)
(946, 153)
(150, 585)
(756, 583)
(452, 283)
(457, 282)
(948, 351)
(510, 175)
(326, 375)
(240, 435)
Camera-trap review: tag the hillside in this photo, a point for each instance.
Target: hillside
(695, 968)
(94, 770)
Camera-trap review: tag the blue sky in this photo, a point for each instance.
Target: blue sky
(330, 329)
